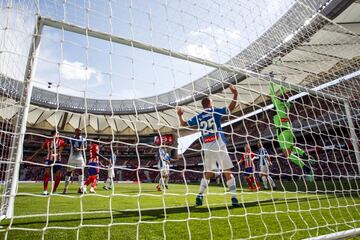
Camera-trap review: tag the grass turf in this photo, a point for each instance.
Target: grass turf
(137, 210)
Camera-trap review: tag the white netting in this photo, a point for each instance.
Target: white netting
(119, 70)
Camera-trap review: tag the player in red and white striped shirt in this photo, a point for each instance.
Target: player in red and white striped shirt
(248, 158)
(54, 147)
(93, 167)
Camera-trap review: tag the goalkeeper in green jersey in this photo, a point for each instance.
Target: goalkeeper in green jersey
(284, 132)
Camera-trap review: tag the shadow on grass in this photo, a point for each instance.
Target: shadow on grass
(158, 213)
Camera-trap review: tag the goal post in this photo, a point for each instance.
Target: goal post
(24, 101)
(354, 137)
(339, 235)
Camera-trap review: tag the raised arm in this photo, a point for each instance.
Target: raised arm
(35, 154)
(234, 91)
(104, 158)
(180, 113)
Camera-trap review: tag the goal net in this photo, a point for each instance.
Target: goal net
(179, 119)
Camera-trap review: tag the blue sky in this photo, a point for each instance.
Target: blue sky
(81, 65)
(84, 66)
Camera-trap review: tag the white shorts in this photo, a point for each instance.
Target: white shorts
(216, 152)
(111, 173)
(75, 163)
(165, 170)
(264, 169)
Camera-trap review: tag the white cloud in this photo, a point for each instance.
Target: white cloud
(75, 78)
(211, 41)
(200, 51)
(76, 71)
(233, 35)
(218, 35)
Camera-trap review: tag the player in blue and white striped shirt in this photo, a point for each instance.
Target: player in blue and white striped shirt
(164, 167)
(264, 163)
(213, 143)
(76, 160)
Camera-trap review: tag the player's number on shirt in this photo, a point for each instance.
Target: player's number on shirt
(207, 126)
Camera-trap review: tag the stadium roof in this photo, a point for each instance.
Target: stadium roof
(302, 45)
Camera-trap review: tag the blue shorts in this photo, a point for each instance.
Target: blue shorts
(93, 169)
(249, 171)
(56, 167)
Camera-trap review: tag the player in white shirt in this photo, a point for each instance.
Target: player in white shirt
(264, 164)
(164, 167)
(111, 173)
(76, 160)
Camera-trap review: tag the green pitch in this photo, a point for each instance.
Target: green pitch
(138, 210)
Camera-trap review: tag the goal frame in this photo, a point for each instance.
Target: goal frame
(16, 153)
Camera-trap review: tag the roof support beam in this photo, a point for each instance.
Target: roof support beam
(63, 122)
